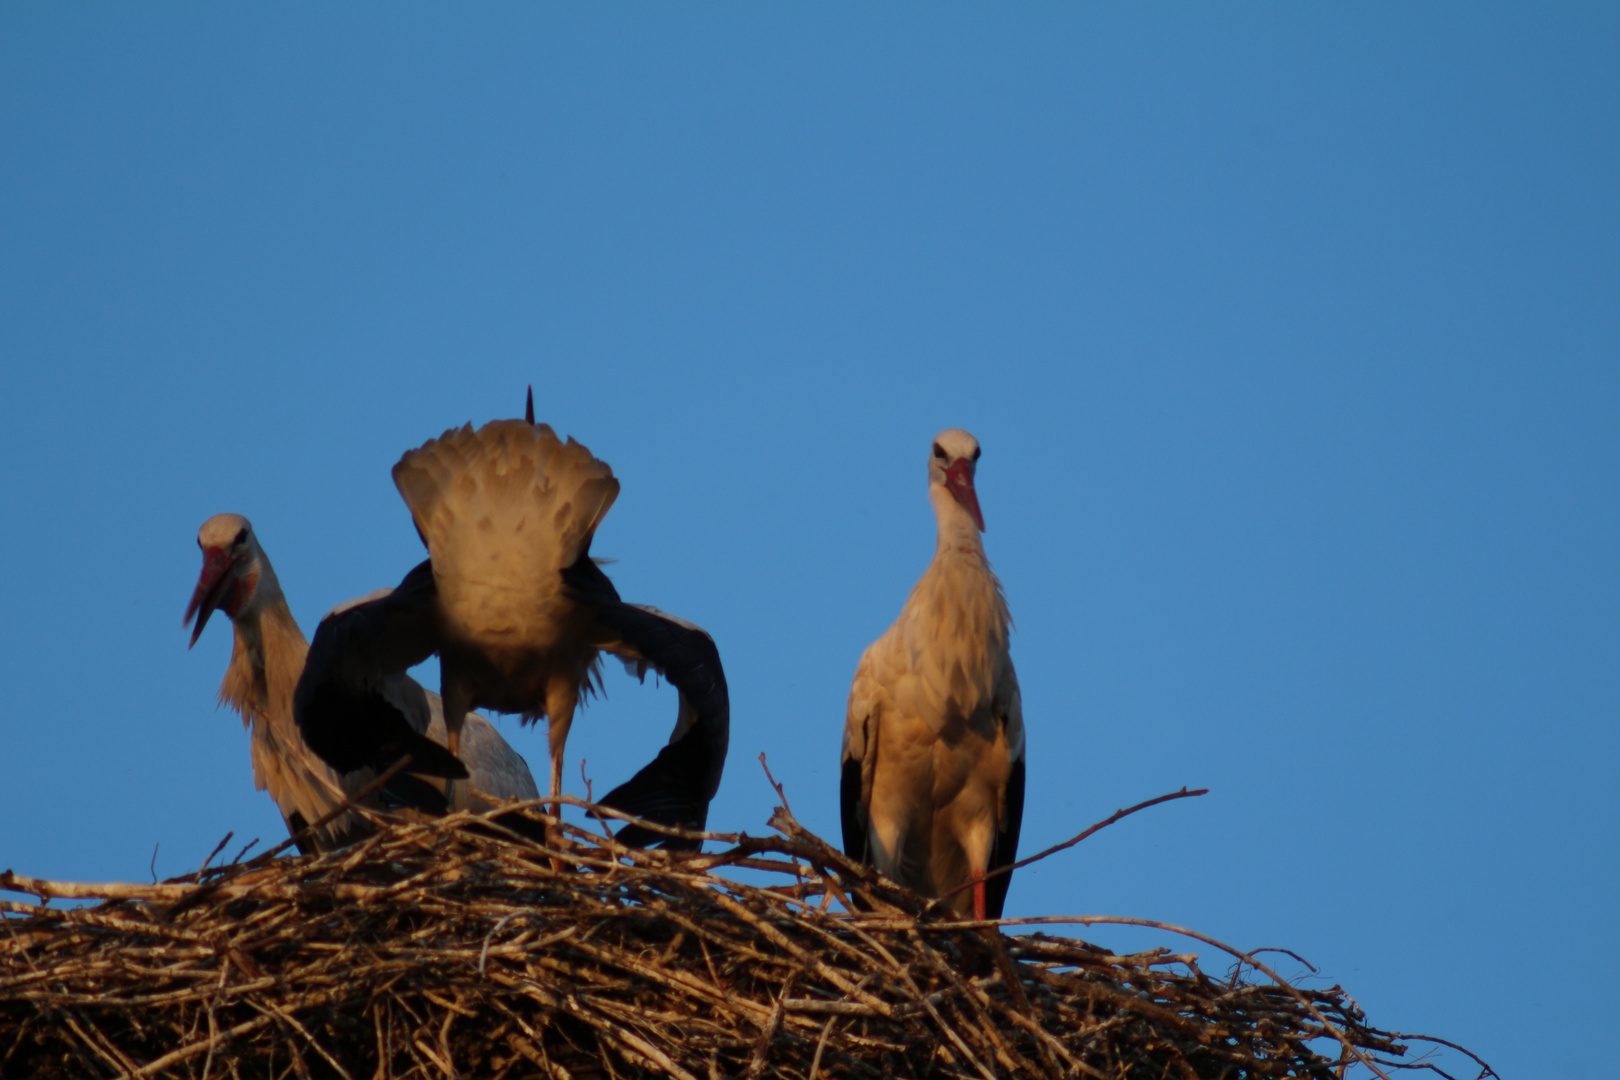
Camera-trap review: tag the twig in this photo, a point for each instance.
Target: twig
(249, 846)
(217, 849)
(780, 794)
(1069, 843)
(1488, 1071)
(1285, 952)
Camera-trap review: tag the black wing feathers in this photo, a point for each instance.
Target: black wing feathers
(354, 729)
(1005, 850)
(339, 706)
(856, 836)
(675, 788)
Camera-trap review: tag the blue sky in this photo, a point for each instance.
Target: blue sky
(1290, 334)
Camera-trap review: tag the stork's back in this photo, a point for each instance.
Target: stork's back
(503, 510)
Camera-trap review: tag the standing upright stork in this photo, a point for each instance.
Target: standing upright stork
(932, 782)
(267, 660)
(518, 613)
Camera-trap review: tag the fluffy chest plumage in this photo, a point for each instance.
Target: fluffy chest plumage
(946, 651)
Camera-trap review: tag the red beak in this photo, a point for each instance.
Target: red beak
(212, 586)
(959, 481)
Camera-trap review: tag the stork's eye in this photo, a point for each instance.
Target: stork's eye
(241, 538)
(939, 452)
(977, 450)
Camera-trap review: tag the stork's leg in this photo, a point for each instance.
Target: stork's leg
(456, 704)
(978, 895)
(556, 777)
(561, 697)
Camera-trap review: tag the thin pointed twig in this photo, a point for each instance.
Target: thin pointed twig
(780, 794)
(1073, 840)
(219, 847)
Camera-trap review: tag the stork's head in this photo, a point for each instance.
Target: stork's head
(951, 464)
(232, 567)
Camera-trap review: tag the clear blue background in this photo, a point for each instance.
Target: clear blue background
(1290, 334)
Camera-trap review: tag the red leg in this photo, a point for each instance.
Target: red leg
(978, 894)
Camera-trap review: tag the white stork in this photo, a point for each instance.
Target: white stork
(267, 660)
(518, 613)
(932, 785)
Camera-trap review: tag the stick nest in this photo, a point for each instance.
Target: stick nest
(453, 948)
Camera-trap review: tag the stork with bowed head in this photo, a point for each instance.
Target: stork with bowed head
(932, 781)
(267, 660)
(518, 614)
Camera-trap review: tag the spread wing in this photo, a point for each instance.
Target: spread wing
(350, 705)
(678, 785)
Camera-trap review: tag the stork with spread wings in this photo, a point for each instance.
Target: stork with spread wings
(518, 614)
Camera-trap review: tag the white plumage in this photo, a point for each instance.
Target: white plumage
(933, 753)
